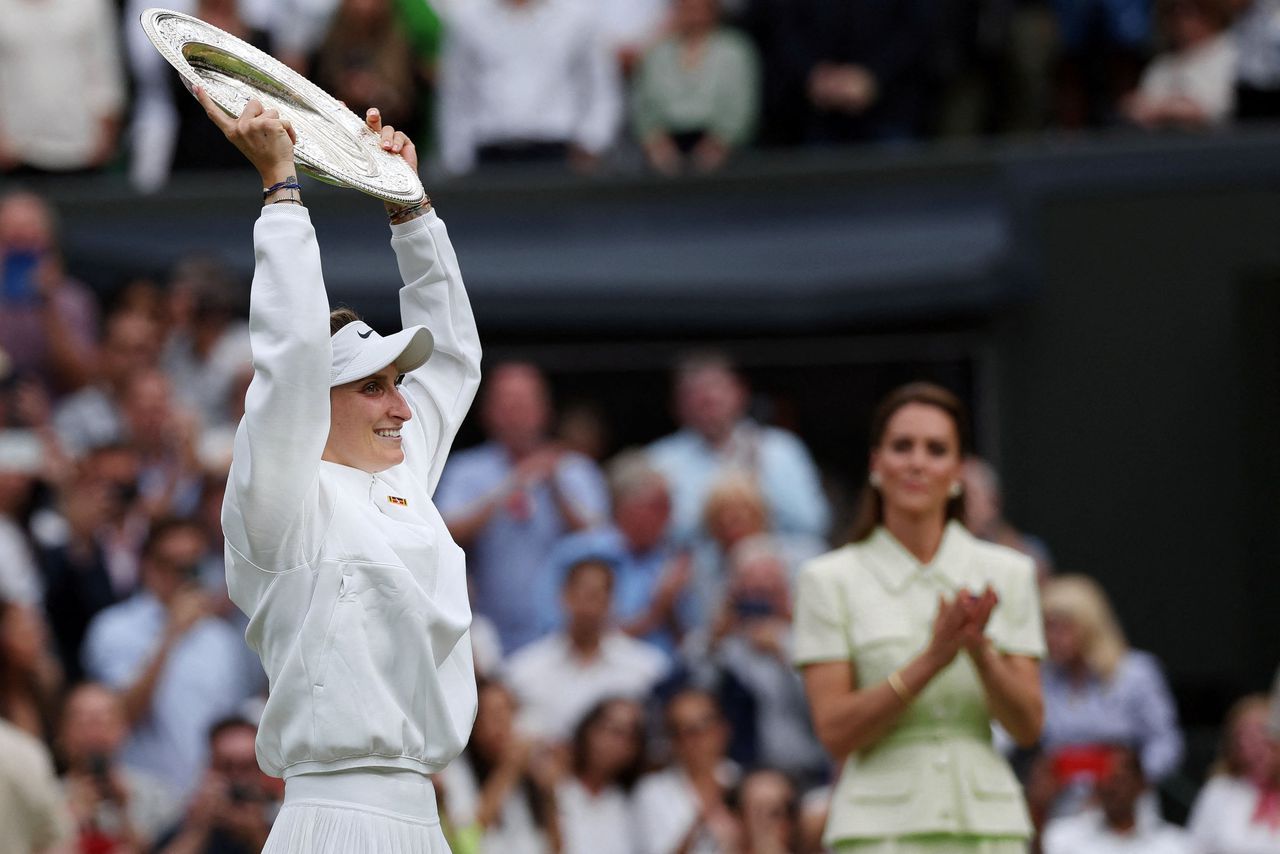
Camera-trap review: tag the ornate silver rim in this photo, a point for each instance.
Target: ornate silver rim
(334, 144)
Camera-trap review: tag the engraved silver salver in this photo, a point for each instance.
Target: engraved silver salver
(333, 143)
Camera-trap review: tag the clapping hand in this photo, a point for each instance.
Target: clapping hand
(961, 623)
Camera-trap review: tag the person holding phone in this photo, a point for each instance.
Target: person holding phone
(356, 593)
(911, 640)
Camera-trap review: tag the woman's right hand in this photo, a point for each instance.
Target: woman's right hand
(264, 138)
(949, 626)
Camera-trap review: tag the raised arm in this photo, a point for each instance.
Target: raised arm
(433, 296)
(286, 423)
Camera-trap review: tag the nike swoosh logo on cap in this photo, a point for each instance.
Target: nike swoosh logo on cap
(365, 334)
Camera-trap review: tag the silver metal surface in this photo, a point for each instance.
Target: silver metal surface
(333, 143)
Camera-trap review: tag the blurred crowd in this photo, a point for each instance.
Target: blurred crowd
(621, 85)
(633, 612)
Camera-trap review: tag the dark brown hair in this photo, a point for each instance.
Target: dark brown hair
(870, 512)
(340, 317)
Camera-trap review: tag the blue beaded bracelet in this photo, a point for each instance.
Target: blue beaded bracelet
(283, 185)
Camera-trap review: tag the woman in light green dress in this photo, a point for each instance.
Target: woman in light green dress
(911, 640)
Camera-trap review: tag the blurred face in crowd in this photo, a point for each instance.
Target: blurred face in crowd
(15, 490)
(710, 401)
(173, 561)
(26, 225)
(148, 410)
(22, 635)
(981, 498)
(767, 807)
(615, 738)
(365, 418)
(699, 734)
(129, 347)
(1252, 748)
(517, 408)
(232, 756)
(93, 724)
(588, 598)
(643, 514)
(734, 517)
(761, 577)
(1120, 787)
(1064, 637)
(495, 720)
(694, 16)
(917, 461)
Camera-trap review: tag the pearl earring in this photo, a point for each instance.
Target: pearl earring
(957, 489)
(874, 480)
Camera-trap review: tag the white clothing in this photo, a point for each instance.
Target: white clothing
(1206, 75)
(632, 23)
(358, 812)
(594, 824)
(1087, 833)
(556, 688)
(62, 77)
(515, 832)
(666, 807)
(355, 592)
(19, 575)
(33, 814)
(533, 73)
(1222, 819)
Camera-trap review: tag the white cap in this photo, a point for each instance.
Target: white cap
(359, 351)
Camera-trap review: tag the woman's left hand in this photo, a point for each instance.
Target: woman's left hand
(977, 613)
(394, 142)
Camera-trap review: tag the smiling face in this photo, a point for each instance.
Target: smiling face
(365, 418)
(917, 461)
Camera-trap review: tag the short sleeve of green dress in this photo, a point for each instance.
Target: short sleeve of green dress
(935, 782)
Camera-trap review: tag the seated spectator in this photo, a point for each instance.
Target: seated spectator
(62, 85)
(1097, 692)
(30, 679)
(498, 796)
(629, 27)
(367, 61)
(1238, 810)
(684, 808)
(1193, 84)
(560, 677)
(749, 646)
(1256, 34)
(984, 515)
(716, 436)
(20, 579)
(92, 416)
(165, 437)
(525, 81)
(767, 809)
(606, 758)
(33, 813)
(178, 668)
(232, 810)
(696, 96)
(47, 319)
(511, 499)
(1119, 823)
(650, 578)
(113, 805)
(207, 342)
(868, 75)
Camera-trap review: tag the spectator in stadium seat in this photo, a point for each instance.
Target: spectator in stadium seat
(767, 808)
(560, 677)
(984, 515)
(61, 85)
(606, 757)
(1238, 810)
(716, 436)
(1119, 823)
(1193, 84)
(178, 668)
(1256, 34)
(30, 679)
(526, 81)
(33, 813)
(696, 96)
(511, 499)
(1098, 692)
(629, 27)
(366, 60)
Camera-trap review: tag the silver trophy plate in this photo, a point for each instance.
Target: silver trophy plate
(334, 144)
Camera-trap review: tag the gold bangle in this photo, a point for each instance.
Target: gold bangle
(900, 688)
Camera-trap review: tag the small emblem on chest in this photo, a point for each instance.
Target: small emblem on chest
(396, 499)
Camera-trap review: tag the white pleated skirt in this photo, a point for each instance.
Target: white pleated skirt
(365, 811)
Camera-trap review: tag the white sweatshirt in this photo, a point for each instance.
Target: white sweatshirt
(355, 592)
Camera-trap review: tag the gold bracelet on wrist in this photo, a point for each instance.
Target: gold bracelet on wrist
(900, 688)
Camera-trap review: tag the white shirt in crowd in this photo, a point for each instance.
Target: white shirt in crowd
(515, 832)
(1222, 819)
(1206, 74)
(666, 807)
(1087, 833)
(19, 575)
(632, 23)
(594, 823)
(556, 688)
(62, 76)
(532, 72)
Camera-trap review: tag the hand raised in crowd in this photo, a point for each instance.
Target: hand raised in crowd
(264, 138)
(189, 606)
(538, 467)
